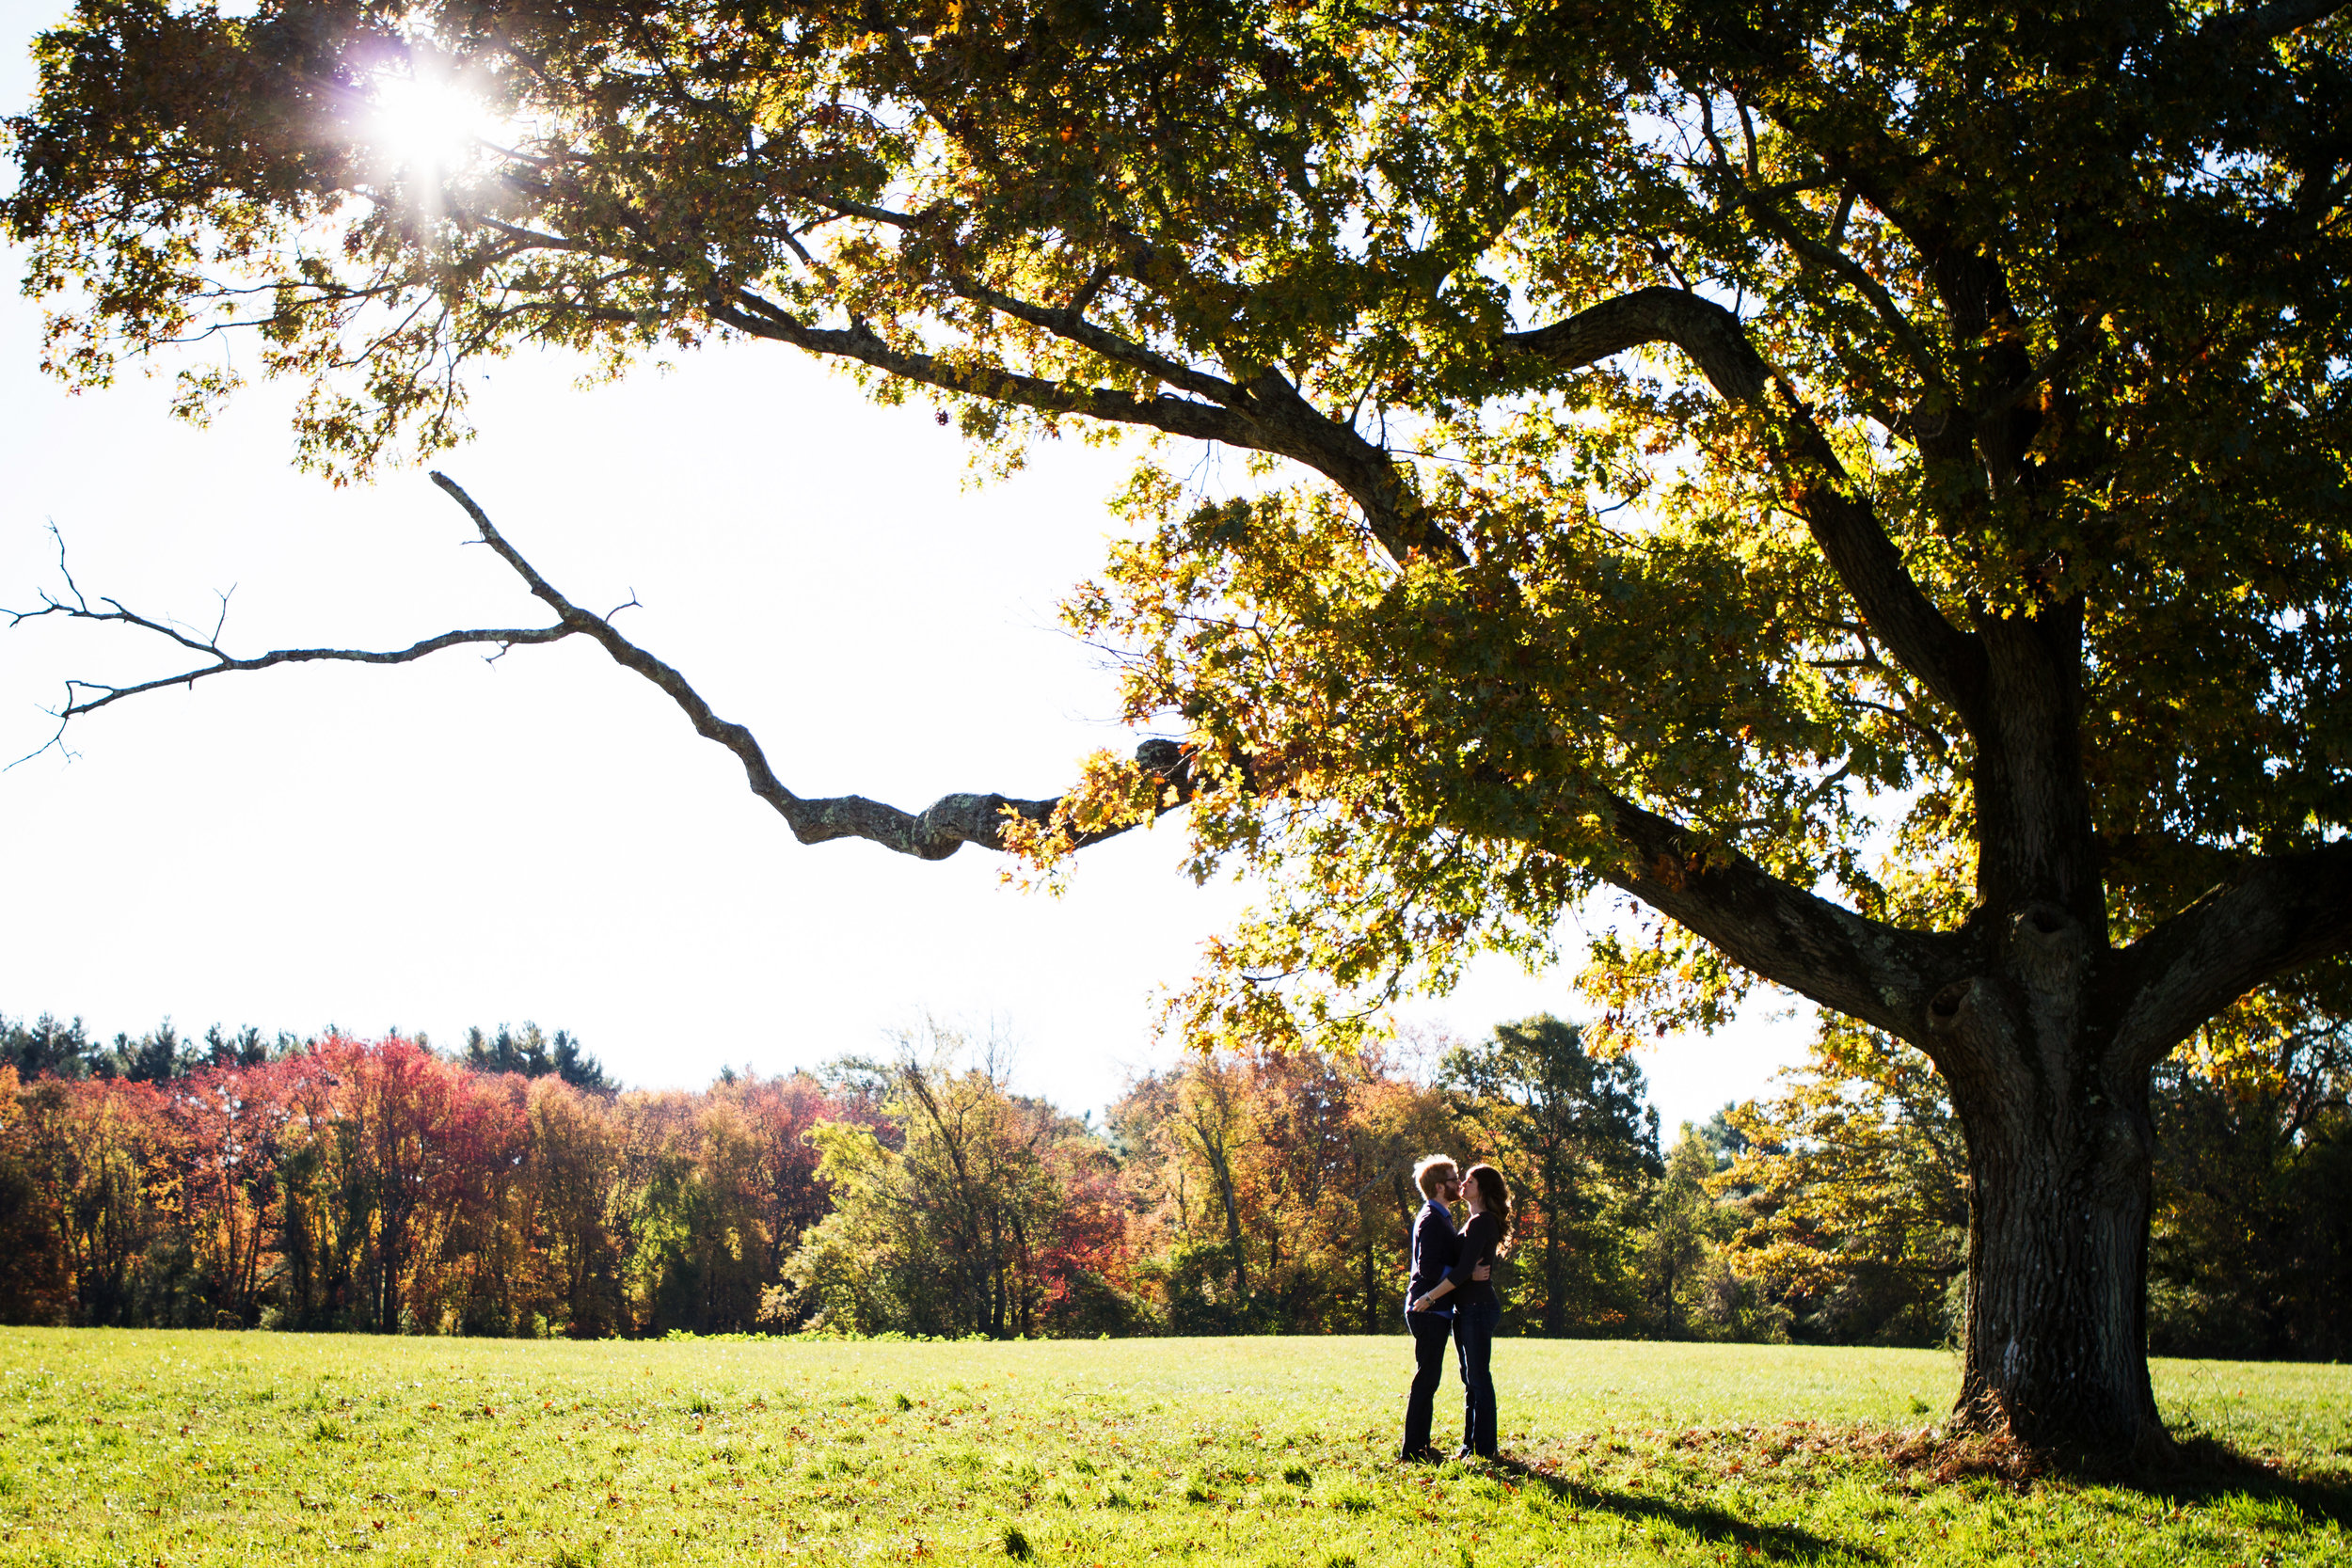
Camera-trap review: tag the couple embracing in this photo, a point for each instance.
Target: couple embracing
(1448, 1298)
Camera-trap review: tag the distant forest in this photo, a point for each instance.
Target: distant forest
(508, 1187)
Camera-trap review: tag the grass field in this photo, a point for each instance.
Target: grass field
(140, 1448)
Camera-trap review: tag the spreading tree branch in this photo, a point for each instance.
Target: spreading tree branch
(2277, 914)
(1266, 413)
(1950, 662)
(1784, 932)
(1710, 335)
(1880, 973)
(933, 833)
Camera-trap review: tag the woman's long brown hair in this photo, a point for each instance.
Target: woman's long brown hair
(1496, 1197)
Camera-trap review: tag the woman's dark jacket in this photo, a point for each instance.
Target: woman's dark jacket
(1475, 1245)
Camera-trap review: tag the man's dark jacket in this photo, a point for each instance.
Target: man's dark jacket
(1435, 1246)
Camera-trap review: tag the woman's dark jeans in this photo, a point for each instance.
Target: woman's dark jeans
(1473, 1344)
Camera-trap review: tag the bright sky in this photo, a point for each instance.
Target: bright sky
(452, 842)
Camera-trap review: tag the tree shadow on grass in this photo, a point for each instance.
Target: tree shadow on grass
(1771, 1542)
(2200, 1472)
(2206, 1470)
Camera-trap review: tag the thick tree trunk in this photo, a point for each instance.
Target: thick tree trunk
(2058, 1252)
(2060, 1150)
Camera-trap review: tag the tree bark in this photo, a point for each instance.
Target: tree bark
(2060, 1155)
(2056, 1305)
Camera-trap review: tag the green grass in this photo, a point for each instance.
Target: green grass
(249, 1449)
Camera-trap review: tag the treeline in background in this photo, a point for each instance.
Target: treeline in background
(506, 1187)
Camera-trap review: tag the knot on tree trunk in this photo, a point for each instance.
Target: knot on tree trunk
(1955, 1007)
(2049, 949)
(1971, 1024)
(2048, 955)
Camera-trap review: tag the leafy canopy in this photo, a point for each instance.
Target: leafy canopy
(2041, 304)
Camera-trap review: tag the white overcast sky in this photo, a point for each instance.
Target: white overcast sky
(452, 843)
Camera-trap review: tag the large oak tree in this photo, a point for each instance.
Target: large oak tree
(1865, 479)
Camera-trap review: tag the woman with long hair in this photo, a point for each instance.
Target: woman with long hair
(1477, 1310)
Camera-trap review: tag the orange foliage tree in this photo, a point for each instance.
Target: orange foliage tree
(373, 1185)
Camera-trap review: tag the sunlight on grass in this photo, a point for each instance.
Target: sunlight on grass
(180, 1447)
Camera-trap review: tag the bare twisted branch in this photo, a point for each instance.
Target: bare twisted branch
(933, 833)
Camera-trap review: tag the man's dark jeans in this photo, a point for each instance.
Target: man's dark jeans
(1473, 1345)
(1430, 1330)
